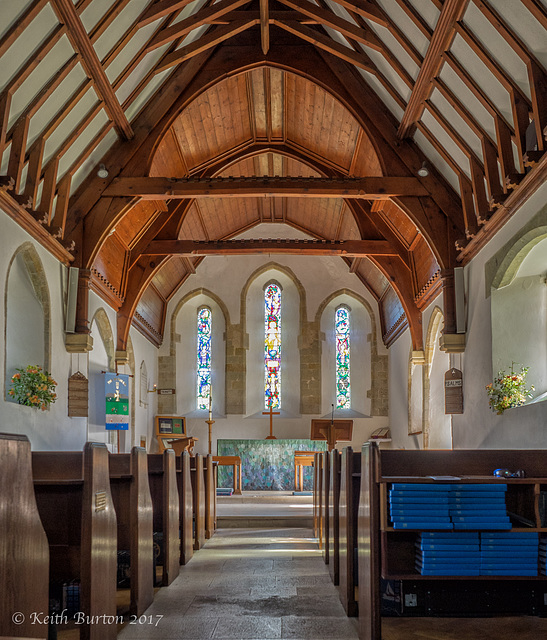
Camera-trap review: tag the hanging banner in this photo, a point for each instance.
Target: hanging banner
(117, 401)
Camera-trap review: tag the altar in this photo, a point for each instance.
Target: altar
(267, 465)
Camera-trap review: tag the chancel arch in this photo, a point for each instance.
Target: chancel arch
(369, 369)
(27, 314)
(252, 319)
(179, 370)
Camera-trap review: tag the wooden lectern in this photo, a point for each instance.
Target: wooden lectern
(332, 431)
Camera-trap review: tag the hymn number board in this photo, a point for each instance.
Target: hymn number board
(453, 391)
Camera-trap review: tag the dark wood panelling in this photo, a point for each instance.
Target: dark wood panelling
(373, 276)
(151, 309)
(321, 216)
(136, 221)
(425, 265)
(167, 159)
(192, 228)
(392, 314)
(400, 223)
(169, 276)
(111, 261)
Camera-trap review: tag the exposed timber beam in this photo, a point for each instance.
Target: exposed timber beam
(184, 27)
(265, 25)
(371, 188)
(346, 248)
(82, 44)
(440, 41)
(327, 44)
(161, 9)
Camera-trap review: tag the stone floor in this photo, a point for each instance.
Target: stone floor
(249, 584)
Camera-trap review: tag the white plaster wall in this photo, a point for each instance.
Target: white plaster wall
(50, 429)
(226, 278)
(478, 427)
(53, 429)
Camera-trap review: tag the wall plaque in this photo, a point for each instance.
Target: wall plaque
(78, 395)
(453, 391)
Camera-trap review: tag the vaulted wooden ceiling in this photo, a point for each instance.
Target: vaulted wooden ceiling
(211, 118)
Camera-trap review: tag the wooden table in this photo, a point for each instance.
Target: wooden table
(234, 461)
(301, 459)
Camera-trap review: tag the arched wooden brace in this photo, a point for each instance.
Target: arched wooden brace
(366, 107)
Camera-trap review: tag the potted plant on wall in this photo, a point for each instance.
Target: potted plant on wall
(33, 387)
(508, 390)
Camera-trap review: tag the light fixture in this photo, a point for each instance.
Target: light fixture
(423, 171)
(102, 172)
(154, 389)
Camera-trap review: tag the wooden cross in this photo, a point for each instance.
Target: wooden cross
(271, 413)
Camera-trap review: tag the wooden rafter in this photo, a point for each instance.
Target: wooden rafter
(347, 248)
(330, 19)
(184, 27)
(370, 188)
(81, 43)
(327, 44)
(440, 41)
(535, 8)
(161, 9)
(206, 42)
(366, 9)
(265, 25)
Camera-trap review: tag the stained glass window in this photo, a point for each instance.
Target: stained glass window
(342, 330)
(272, 346)
(205, 317)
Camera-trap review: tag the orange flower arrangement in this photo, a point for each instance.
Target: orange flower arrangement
(33, 387)
(508, 390)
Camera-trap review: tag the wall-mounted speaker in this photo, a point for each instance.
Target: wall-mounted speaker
(459, 294)
(71, 298)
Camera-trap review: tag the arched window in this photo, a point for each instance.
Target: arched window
(342, 331)
(205, 328)
(272, 346)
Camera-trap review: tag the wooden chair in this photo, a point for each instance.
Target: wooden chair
(133, 504)
(334, 516)
(75, 504)
(162, 477)
(186, 512)
(198, 495)
(24, 551)
(350, 480)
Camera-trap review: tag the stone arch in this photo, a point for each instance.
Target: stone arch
(433, 331)
(378, 392)
(167, 365)
(241, 336)
(521, 246)
(37, 276)
(105, 331)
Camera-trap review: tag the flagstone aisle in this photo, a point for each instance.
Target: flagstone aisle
(249, 584)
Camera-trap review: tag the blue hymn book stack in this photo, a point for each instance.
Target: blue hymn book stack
(509, 553)
(419, 506)
(448, 553)
(478, 506)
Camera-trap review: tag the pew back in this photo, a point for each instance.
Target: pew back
(210, 495)
(198, 497)
(350, 480)
(326, 508)
(184, 482)
(334, 519)
(162, 477)
(24, 552)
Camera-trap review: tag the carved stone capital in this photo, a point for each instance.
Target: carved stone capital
(78, 342)
(452, 342)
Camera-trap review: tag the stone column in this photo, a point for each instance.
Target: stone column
(310, 347)
(167, 379)
(237, 344)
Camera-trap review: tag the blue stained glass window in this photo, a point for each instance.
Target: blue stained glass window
(342, 330)
(205, 317)
(272, 346)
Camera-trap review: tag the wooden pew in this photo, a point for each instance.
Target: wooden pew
(162, 477)
(75, 504)
(133, 504)
(186, 511)
(302, 459)
(198, 498)
(334, 515)
(235, 462)
(350, 480)
(209, 476)
(318, 477)
(325, 496)
(24, 551)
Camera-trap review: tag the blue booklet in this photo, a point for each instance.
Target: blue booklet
(438, 499)
(447, 547)
(464, 535)
(423, 525)
(482, 525)
(479, 487)
(513, 535)
(408, 486)
(508, 572)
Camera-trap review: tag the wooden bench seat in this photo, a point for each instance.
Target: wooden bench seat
(198, 496)
(350, 480)
(186, 510)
